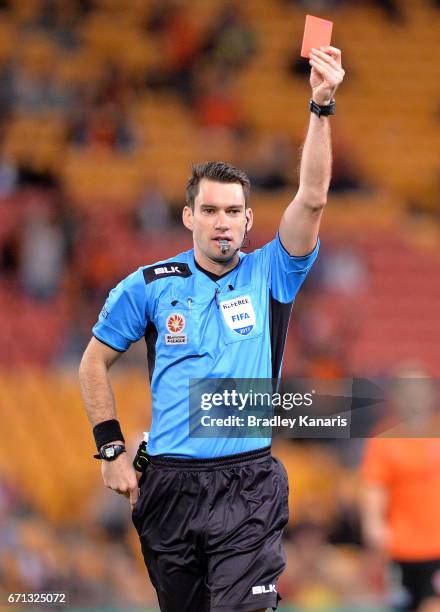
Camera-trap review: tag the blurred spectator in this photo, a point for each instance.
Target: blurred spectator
(97, 112)
(216, 105)
(180, 42)
(230, 42)
(114, 87)
(344, 271)
(76, 334)
(346, 173)
(35, 88)
(42, 252)
(8, 175)
(392, 9)
(6, 88)
(271, 166)
(345, 177)
(106, 127)
(328, 327)
(109, 127)
(32, 174)
(68, 218)
(97, 254)
(160, 14)
(323, 339)
(60, 20)
(298, 66)
(401, 498)
(319, 5)
(152, 213)
(9, 254)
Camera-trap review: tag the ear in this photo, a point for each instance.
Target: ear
(188, 217)
(249, 218)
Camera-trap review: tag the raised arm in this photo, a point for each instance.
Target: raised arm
(118, 475)
(299, 225)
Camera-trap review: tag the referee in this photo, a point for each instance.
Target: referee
(210, 512)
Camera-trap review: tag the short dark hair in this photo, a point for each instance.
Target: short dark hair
(218, 171)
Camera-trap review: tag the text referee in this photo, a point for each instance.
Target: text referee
(210, 512)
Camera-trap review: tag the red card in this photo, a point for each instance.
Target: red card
(317, 33)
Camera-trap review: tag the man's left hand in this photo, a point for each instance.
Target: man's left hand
(327, 73)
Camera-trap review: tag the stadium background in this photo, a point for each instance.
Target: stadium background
(104, 105)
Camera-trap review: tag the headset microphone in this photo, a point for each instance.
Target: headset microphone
(245, 237)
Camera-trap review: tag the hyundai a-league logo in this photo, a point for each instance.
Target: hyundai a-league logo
(175, 325)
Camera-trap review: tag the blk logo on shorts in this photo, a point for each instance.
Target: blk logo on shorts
(239, 314)
(262, 590)
(175, 324)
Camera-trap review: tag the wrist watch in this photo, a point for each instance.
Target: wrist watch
(323, 111)
(109, 452)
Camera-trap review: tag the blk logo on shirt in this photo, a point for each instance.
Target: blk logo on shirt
(172, 268)
(239, 314)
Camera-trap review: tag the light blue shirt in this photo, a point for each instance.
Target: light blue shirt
(196, 327)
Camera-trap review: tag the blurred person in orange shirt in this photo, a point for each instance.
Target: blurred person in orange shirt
(400, 507)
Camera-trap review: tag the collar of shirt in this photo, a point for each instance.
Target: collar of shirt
(222, 280)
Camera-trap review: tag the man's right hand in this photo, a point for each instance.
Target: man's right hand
(120, 476)
(377, 535)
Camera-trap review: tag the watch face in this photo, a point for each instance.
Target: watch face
(109, 451)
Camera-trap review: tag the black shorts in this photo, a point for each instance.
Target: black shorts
(420, 580)
(211, 531)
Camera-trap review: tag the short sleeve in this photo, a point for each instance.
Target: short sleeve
(124, 316)
(376, 465)
(286, 272)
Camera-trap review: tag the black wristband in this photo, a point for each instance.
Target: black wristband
(322, 111)
(107, 431)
